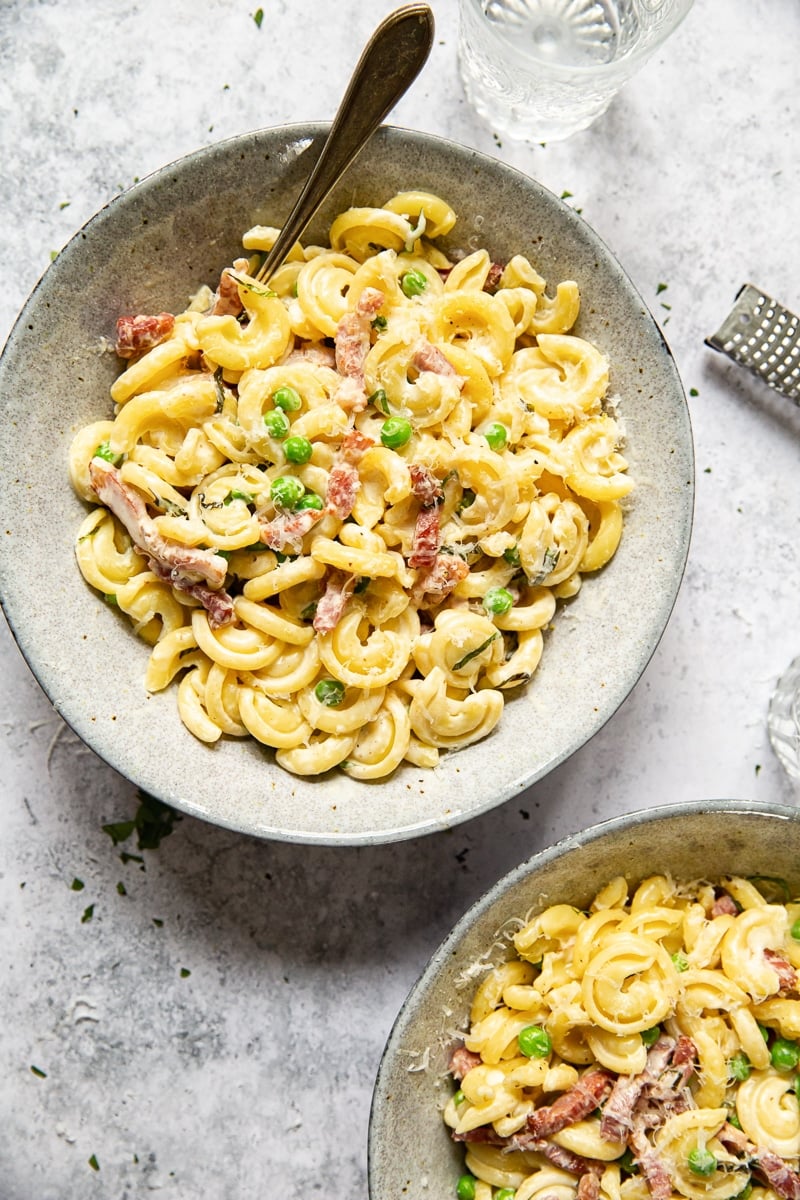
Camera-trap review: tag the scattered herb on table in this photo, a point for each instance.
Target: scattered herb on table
(153, 821)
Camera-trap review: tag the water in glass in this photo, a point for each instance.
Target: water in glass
(543, 69)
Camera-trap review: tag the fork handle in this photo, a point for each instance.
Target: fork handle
(389, 63)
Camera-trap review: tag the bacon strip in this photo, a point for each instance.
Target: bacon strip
(724, 905)
(560, 1156)
(200, 573)
(656, 1174)
(125, 502)
(463, 1060)
(352, 342)
(778, 1174)
(439, 579)
(425, 485)
(137, 335)
(589, 1186)
(427, 537)
(581, 1099)
(427, 357)
(338, 591)
(782, 1178)
(218, 604)
(617, 1119)
(289, 529)
(786, 973)
(493, 278)
(227, 302)
(343, 479)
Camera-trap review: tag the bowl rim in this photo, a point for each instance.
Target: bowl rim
(510, 879)
(371, 831)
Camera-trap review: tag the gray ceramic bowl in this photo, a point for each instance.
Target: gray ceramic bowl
(408, 1141)
(148, 250)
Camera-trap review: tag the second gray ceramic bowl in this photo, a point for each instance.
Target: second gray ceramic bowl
(149, 250)
(408, 1141)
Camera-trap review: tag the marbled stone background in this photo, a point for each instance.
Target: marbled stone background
(206, 1017)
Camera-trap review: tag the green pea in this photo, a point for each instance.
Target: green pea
(651, 1036)
(465, 1188)
(784, 1055)
(105, 452)
(413, 283)
(277, 423)
(329, 692)
(734, 1120)
(496, 435)
(680, 961)
(286, 491)
(534, 1041)
(505, 1194)
(498, 600)
(298, 449)
(287, 399)
(739, 1066)
(395, 432)
(794, 931)
(511, 555)
(701, 1161)
(310, 500)
(458, 1098)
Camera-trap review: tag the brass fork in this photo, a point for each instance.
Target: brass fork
(390, 62)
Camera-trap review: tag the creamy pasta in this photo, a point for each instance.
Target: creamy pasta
(648, 1046)
(342, 508)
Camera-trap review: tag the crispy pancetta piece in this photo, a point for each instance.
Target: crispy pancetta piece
(352, 342)
(137, 335)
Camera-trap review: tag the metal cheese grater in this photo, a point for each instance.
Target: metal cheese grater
(763, 336)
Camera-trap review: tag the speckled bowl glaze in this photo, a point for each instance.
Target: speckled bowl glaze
(149, 250)
(410, 1151)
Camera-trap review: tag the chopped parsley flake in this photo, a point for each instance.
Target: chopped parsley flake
(38, 1072)
(258, 16)
(154, 821)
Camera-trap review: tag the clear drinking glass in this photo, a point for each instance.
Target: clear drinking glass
(541, 70)
(783, 719)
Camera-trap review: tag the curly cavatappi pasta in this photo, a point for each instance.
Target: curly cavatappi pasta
(647, 1047)
(342, 507)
